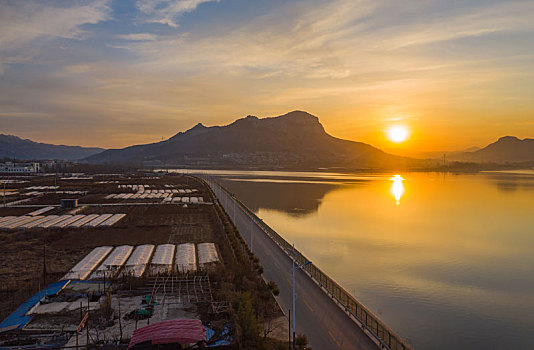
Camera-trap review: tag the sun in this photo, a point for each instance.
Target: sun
(398, 133)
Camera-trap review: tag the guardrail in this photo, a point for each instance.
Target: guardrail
(383, 335)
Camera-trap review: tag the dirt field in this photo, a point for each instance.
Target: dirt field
(25, 252)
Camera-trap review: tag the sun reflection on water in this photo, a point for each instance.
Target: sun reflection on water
(397, 188)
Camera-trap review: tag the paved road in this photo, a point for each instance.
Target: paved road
(324, 323)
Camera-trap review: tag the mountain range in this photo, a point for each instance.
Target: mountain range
(23, 149)
(296, 140)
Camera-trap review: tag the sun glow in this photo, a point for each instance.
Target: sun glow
(398, 133)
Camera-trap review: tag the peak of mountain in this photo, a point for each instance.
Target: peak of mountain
(508, 139)
(14, 147)
(199, 126)
(507, 149)
(295, 139)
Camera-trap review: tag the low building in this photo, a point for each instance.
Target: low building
(69, 203)
(20, 168)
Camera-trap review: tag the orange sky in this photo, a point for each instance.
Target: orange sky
(112, 74)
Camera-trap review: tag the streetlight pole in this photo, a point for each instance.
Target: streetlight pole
(294, 294)
(251, 235)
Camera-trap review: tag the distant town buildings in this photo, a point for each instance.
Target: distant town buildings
(20, 168)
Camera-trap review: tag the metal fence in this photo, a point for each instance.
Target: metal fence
(383, 334)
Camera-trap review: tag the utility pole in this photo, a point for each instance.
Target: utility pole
(293, 296)
(44, 262)
(87, 324)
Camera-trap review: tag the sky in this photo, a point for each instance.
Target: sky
(115, 73)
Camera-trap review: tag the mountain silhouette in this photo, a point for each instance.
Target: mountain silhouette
(507, 149)
(15, 147)
(293, 140)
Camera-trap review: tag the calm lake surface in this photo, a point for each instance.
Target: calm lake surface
(445, 260)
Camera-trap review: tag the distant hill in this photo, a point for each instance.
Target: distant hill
(439, 154)
(15, 147)
(507, 149)
(294, 140)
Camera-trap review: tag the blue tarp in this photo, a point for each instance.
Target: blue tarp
(223, 339)
(18, 319)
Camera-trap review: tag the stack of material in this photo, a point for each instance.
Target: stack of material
(186, 260)
(163, 258)
(88, 264)
(113, 262)
(207, 254)
(136, 264)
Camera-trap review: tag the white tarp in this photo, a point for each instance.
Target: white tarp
(138, 261)
(97, 221)
(207, 254)
(113, 262)
(69, 221)
(186, 260)
(20, 221)
(163, 258)
(82, 269)
(7, 218)
(40, 211)
(55, 221)
(83, 221)
(13, 220)
(113, 220)
(38, 222)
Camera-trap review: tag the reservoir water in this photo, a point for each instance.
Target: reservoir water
(447, 261)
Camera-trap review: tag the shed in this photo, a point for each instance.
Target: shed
(69, 203)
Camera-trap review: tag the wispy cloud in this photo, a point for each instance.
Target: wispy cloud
(503, 17)
(23, 22)
(167, 11)
(137, 37)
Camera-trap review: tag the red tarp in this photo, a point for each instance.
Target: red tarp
(181, 331)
